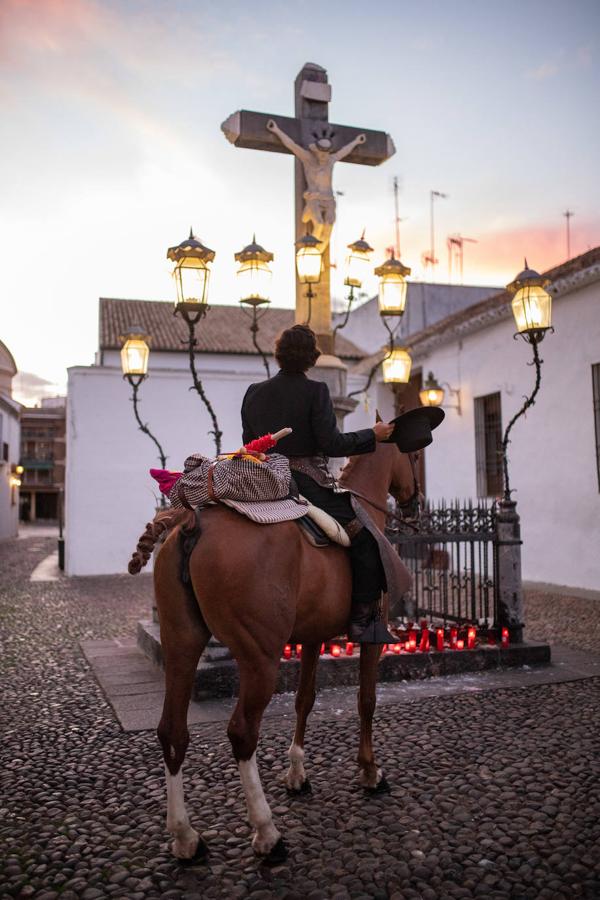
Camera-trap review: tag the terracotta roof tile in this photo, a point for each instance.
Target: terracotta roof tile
(225, 329)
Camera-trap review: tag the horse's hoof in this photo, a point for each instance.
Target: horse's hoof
(200, 854)
(305, 788)
(382, 787)
(276, 855)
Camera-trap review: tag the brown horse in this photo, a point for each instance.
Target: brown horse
(256, 588)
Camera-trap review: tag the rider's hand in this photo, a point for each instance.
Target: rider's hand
(382, 430)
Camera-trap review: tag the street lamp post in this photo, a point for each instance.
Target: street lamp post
(532, 311)
(309, 263)
(134, 364)
(254, 278)
(357, 265)
(192, 273)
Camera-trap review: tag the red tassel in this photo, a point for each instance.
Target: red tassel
(261, 444)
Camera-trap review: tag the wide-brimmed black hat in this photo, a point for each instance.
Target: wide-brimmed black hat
(412, 431)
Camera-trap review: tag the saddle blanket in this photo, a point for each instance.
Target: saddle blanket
(268, 512)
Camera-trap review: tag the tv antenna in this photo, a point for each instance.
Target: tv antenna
(568, 214)
(429, 258)
(456, 252)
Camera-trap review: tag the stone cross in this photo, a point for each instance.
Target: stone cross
(317, 145)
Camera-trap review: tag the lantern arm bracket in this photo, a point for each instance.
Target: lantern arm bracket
(455, 393)
(344, 322)
(390, 349)
(256, 316)
(135, 381)
(197, 383)
(529, 401)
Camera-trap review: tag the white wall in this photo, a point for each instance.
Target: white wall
(10, 433)
(552, 457)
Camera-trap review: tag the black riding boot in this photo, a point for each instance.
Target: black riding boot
(366, 625)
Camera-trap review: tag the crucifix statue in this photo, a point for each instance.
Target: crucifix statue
(317, 146)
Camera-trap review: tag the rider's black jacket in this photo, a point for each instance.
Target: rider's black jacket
(297, 402)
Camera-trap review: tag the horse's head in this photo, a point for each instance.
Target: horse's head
(404, 481)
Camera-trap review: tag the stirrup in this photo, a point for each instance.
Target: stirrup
(375, 632)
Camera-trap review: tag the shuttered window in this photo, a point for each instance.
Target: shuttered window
(596, 395)
(488, 445)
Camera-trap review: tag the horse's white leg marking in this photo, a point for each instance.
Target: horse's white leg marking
(296, 776)
(259, 812)
(186, 838)
(370, 778)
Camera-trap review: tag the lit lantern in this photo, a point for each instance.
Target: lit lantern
(19, 469)
(412, 641)
(349, 648)
(453, 637)
(439, 637)
(358, 262)
(460, 644)
(531, 304)
(432, 393)
(471, 633)
(287, 651)
(254, 274)
(392, 287)
(134, 354)
(397, 648)
(424, 642)
(299, 650)
(191, 273)
(335, 650)
(396, 367)
(14, 481)
(407, 646)
(308, 259)
(504, 637)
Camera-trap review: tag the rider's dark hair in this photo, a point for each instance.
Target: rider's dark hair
(296, 349)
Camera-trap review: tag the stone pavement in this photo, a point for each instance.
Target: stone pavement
(494, 793)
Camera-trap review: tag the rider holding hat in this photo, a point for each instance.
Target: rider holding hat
(292, 399)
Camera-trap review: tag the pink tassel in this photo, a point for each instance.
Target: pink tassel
(165, 479)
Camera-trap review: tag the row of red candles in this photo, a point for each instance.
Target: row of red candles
(409, 642)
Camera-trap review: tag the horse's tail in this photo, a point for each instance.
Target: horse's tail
(162, 522)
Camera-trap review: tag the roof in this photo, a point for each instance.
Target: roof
(491, 309)
(225, 329)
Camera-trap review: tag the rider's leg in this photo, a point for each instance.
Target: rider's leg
(368, 583)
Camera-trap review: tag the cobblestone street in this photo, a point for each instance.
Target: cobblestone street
(494, 795)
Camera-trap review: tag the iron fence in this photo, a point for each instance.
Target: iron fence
(452, 553)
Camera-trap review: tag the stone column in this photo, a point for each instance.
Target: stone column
(510, 587)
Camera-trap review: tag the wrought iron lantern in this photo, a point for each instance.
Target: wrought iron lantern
(191, 273)
(392, 287)
(432, 393)
(531, 304)
(254, 274)
(358, 262)
(396, 366)
(134, 354)
(309, 260)
(254, 278)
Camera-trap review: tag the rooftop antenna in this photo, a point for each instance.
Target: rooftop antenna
(397, 219)
(568, 214)
(430, 258)
(456, 252)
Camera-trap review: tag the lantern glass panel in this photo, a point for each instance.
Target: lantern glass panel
(134, 357)
(191, 281)
(396, 368)
(432, 396)
(254, 279)
(532, 309)
(392, 294)
(308, 264)
(358, 266)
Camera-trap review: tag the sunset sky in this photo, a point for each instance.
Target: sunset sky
(111, 146)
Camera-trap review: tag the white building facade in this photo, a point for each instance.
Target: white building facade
(554, 454)
(10, 442)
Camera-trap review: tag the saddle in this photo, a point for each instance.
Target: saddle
(320, 529)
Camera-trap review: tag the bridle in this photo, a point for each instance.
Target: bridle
(410, 509)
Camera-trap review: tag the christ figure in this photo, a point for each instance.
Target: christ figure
(317, 161)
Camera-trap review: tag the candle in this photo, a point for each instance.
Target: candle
(397, 648)
(505, 637)
(424, 643)
(471, 632)
(439, 637)
(298, 650)
(453, 637)
(349, 648)
(335, 650)
(407, 646)
(412, 642)
(384, 649)
(287, 651)
(460, 644)
(322, 651)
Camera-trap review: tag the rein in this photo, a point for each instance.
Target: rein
(412, 500)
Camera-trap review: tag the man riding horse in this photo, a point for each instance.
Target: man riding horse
(292, 399)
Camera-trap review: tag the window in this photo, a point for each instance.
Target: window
(596, 395)
(488, 445)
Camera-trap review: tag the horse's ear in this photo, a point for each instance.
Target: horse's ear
(377, 416)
